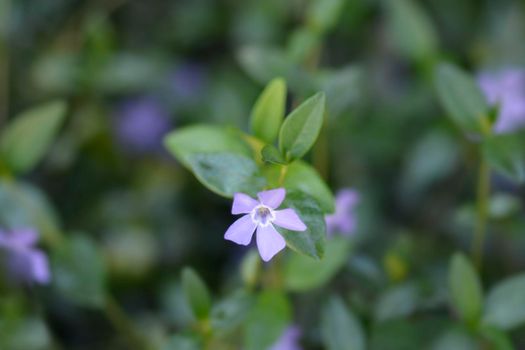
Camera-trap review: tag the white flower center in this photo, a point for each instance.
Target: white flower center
(262, 215)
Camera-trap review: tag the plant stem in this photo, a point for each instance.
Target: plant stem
(119, 319)
(282, 175)
(483, 192)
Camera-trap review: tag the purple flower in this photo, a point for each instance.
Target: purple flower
(141, 123)
(261, 215)
(289, 340)
(343, 220)
(505, 89)
(24, 262)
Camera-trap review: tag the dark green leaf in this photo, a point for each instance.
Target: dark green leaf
(411, 30)
(187, 141)
(79, 272)
(227, 173)
(498, 339)
(27, 138)
(397, 302)
(457, 339)
(324, 14)
(462, 99)
(341, 330)
(505, 304)
(182, 342)
(300, 176)
(302, 273)
(197, 293)
(231, 312)
(23, 205)
(272, 155)
(465, 289)
(312, 241)
(268, 111)
(267, 320)
(506, 154)
(301, 128)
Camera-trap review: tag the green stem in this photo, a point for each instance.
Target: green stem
(483, 193)
(282, 174)
(119, 319)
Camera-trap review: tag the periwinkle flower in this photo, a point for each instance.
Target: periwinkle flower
(141, 124)
(24, 262)
(343, 220)
(261, 215)
(506, 90)
(289, 340)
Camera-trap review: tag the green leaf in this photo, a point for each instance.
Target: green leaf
(302, 273)
(227, 173)
(27, 138)
(506, 154)
(197, 293)
(185, 142)
(267, 320)
(303, 177)
(397, 302)
(465, 289)
(505, 304)
(411, 30)
(312, 241)
(462, 99)
(232, 312)
(324, 14)
(498, 339)
(342, 88)
(263, 64)
(272, 155)
(182, 342)
(457, 339)
(23, 205)
(301, 128)
(340, 329)
(79, 273)
(268, 111)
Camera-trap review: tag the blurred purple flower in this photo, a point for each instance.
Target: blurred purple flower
(24, 262)
(261, 215)
(188, 81)
(343, 220)
(141, 124)
(506, 89)
(289, 340)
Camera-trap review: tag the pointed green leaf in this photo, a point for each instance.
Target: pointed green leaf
(340, 329)
(312, 241)
(505, 304)
(27, 138)
(302, 273)
(271, 154)
(506, 154)
(462, 99)
(465, 289)
(268, 111)
(196, 293)
(227, 173)
(79, 273)
(301, 128)
(303, 177)
(267, 320)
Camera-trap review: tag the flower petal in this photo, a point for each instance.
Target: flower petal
(243, 204)
(289, 219)
(269, 242)
(40, 267)
(272, 198)
(241, 231)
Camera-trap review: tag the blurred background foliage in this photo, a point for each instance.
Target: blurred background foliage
(130, 217)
